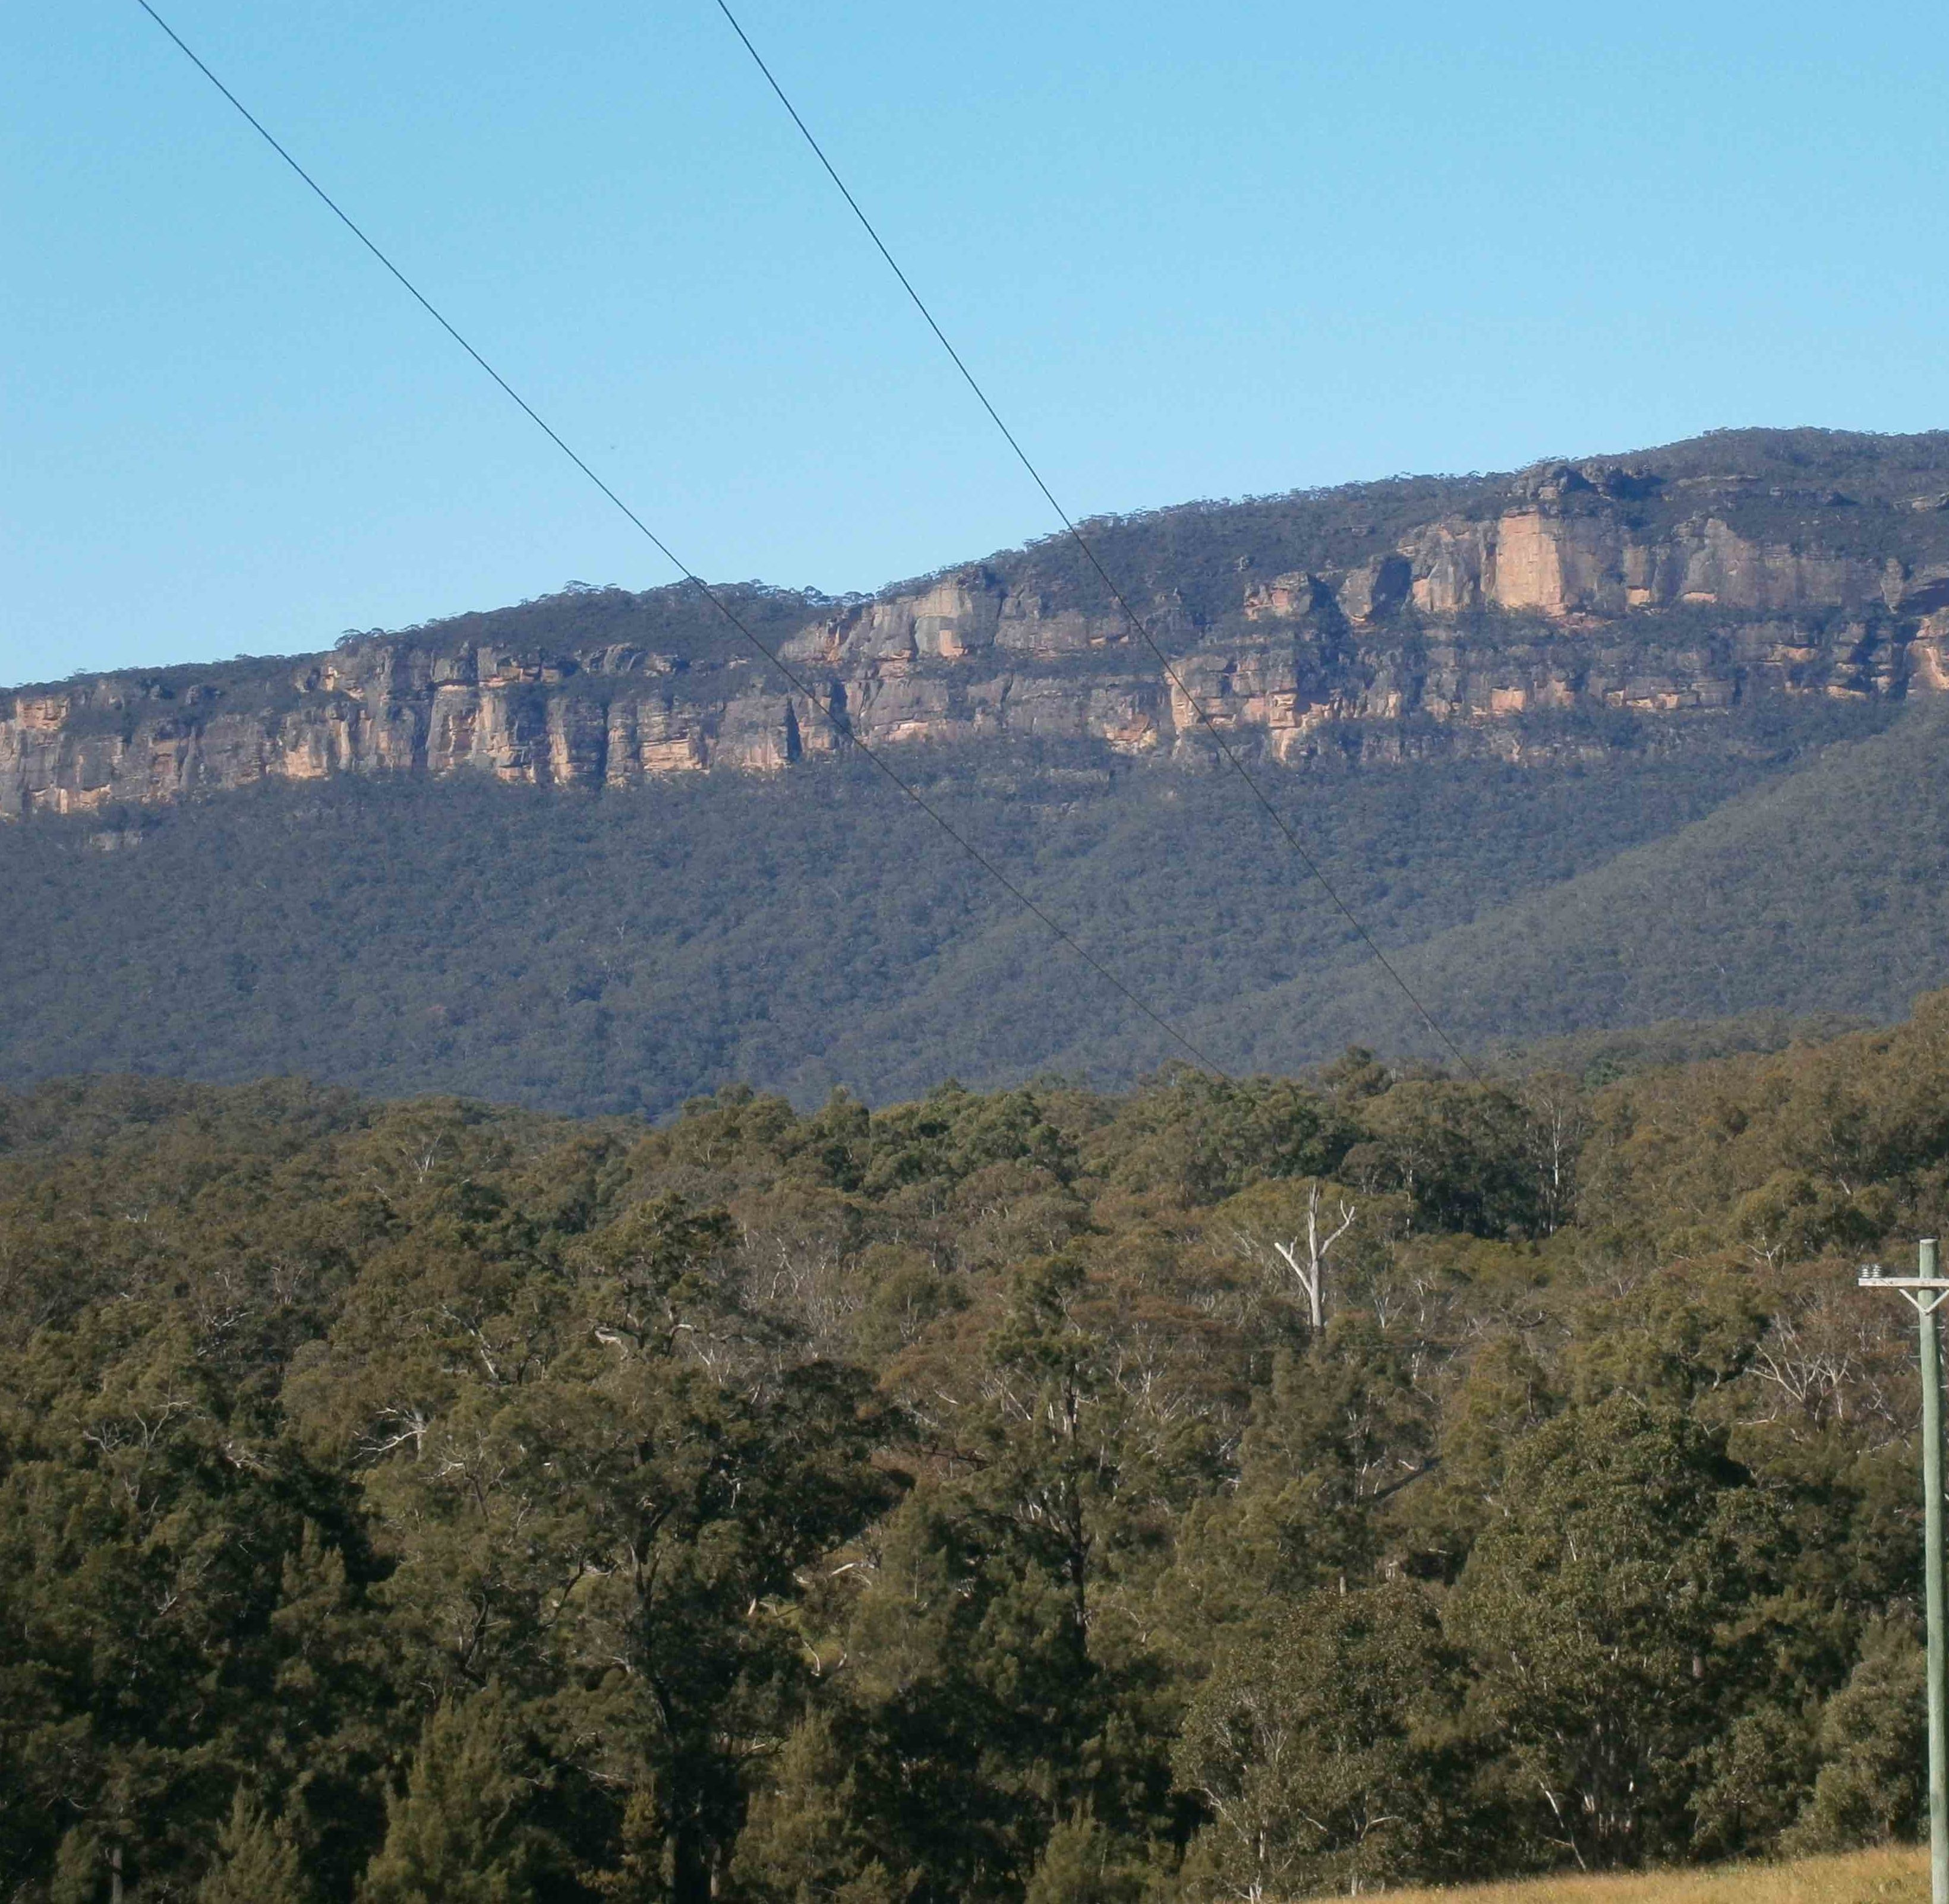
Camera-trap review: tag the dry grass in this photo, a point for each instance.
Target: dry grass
(1899, 1876)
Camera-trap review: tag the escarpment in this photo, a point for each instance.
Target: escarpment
(1381, 620)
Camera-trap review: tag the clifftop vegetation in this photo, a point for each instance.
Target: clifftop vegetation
(1852, 490)
(1211, 1491)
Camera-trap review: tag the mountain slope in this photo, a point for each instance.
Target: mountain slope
(1555, 737)
(1824, 890)
(620, 952)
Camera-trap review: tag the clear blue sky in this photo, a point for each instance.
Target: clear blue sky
(1195, 251)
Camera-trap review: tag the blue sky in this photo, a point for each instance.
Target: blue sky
(1207, 250)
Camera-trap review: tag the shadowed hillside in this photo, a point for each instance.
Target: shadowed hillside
(1825, 889)
(623, 952)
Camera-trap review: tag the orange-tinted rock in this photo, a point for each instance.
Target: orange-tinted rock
(1559, 596)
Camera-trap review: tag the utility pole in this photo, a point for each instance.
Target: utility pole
(1925, 1292)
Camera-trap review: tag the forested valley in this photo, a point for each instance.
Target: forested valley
(1219, 1490)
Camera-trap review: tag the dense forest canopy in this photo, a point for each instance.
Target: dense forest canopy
(619, 953)
(1213, 1491)
(1073, 1482)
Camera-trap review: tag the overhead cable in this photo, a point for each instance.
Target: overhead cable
(1136, 621)
(840, 727)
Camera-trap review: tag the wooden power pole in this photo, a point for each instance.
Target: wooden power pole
(1925, 1292)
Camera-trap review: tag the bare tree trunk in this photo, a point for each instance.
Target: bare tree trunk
(115, 1874)
(1311, 1275)
(690, 1862)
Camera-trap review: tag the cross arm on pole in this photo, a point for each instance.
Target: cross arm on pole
(1924, 1294)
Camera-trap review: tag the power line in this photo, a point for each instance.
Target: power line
(842, 728)
(1136, 621)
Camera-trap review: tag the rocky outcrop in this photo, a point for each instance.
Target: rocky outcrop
(1586, 587)
(1567, 566)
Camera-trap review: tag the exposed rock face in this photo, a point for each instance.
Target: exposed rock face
(1600, 586)
(1587, 565)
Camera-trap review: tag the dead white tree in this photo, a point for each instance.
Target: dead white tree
(1305, 1256)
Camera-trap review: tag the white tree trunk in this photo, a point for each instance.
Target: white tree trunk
(1310, 1271)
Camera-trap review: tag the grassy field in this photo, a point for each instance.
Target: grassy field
(1899, 1876)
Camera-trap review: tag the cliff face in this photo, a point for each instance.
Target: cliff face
(1599, 586)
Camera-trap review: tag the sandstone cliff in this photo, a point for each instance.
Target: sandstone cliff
(1607, 586)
